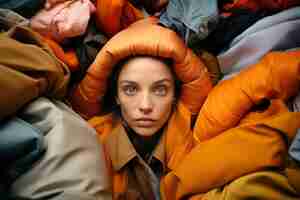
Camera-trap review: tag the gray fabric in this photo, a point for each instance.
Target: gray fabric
(276, 32)
(10, 18)
(73, 162)
(294, 150)
(295, 103)
(191, 16)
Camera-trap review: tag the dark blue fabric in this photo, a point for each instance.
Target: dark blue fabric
(26, 8)
(20, 146)
(87, 48)
(228, 28)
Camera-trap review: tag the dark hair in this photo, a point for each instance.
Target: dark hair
(109, 103)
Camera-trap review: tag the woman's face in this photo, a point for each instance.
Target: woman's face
(145, 94)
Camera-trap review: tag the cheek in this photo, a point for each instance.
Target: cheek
(127, 106)
(164, 108)
(128, 101)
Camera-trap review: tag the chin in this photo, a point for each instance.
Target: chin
(145, 132)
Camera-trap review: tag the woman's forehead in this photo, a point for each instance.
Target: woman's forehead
(142, 68)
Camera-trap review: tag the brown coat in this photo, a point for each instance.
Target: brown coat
(28, 69)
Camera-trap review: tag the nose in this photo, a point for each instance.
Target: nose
(146, 104)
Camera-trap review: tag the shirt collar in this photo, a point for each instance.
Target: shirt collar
(121, 150)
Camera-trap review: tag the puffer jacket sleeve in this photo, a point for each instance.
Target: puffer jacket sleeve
(255, 144)
(276, 75)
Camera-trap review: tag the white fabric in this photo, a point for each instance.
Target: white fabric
(74, 160)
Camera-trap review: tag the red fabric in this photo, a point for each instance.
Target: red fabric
(113, 16)
(256, 5)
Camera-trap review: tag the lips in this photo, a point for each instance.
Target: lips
(145, 122)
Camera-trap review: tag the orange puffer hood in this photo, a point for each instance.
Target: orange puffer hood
(144, 37)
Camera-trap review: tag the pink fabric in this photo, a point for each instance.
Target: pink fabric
(64, 20)
(50, 3)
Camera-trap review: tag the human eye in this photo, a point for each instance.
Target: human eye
(160, 90)
(129, 90)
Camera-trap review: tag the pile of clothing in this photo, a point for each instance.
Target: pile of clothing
(46, 47)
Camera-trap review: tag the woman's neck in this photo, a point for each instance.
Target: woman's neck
(144, 146)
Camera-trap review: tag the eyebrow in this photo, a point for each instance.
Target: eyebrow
(126, 81)
(162, 80)
(155, 83)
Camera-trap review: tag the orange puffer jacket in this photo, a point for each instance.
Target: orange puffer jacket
(252, 143)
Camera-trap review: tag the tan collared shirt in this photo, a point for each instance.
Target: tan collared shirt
(143, 176)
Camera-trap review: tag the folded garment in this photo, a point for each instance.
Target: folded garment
(26, 8)
(262, 185)
(191, 18)
(294, 150)
(227, 29)
(276, 32)
(87, 48)
(255, 5)
(21, 144)
(64, 20)
(28, 69)
(9, 18)
(152, 6)
(73, 164)
(50, 3)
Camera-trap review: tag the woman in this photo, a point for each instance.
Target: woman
(145, 95)
(150, 148)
